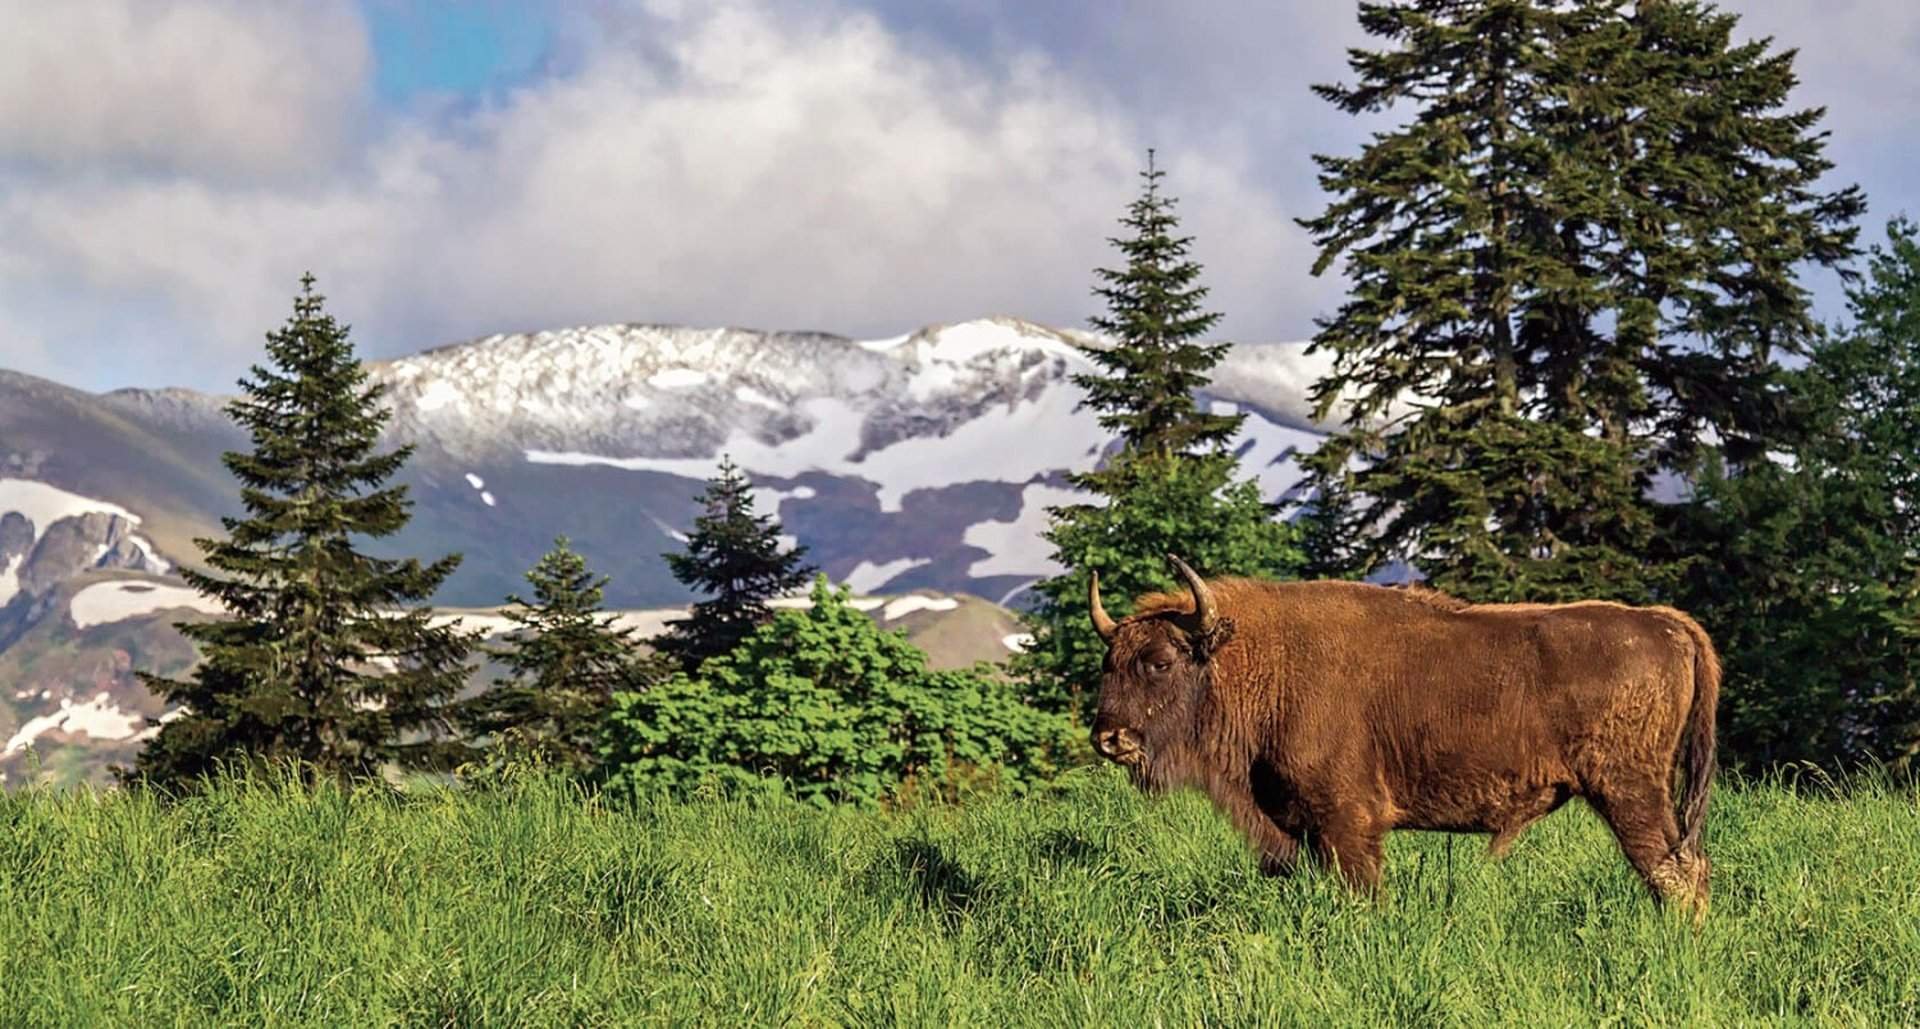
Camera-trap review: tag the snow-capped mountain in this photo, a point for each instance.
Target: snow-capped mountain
(922, 461)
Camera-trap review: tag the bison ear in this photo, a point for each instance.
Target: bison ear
(1208, 642)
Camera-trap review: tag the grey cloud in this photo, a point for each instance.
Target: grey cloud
(217, 88)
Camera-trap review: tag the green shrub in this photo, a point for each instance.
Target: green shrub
(825, 704)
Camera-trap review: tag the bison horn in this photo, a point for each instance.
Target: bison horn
(1103, 623)
(1203, 608)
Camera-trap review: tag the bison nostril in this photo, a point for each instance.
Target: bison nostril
(1113, 742)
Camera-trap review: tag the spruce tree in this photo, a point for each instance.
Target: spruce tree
(1171, 486)
(565, 660)
(735, 559)
(1146, 379)
(1571, 263)
(1814, 590)
(330, 660)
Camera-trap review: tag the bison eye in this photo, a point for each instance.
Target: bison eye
(1160, 664)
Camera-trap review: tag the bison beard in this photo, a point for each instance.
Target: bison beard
(1335, 712)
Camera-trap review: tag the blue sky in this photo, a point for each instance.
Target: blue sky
(467, 49)
(455, 168)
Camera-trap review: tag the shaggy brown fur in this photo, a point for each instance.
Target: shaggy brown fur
(1333, 712)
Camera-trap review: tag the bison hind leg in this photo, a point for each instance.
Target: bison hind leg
(1641, 816)
(1526, 810)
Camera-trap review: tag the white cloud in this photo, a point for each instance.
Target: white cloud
(749, 163)
(220, 88)
(167, 172)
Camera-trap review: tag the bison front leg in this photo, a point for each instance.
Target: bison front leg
(1278, 849)
(1357, 849)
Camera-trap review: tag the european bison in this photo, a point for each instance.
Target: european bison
(1334, 712)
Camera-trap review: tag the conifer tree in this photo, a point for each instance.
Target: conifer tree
(1171, 486)
(565, 660)
(330, 659)
(1573, 261)
(1146, 379)
(735, 559)
(1813, 592)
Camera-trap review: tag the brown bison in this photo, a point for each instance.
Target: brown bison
(1333, 712)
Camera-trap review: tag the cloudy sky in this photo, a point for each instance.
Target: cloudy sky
(453, 168)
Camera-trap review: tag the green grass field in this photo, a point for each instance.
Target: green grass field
(532, 906)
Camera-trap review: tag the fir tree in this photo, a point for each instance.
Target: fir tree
(1146, 379)
(565, 660)
(1171, 486)
(1814, 589)
(330, 659)
(734, 558)
(1574, 260)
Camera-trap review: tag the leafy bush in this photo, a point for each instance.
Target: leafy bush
(824, 703)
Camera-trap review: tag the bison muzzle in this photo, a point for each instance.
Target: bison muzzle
(1330, 713)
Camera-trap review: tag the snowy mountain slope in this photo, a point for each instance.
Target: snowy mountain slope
(977, 419)
(925, 460)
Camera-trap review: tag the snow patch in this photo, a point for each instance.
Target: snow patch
(678, 536)
(486, 498)
(677, 378)
(1051, 433)
(1270, 453)
(749, 395)
(767, 499)
(98, 718)
(867, 577)
(10, 578)
(881, 346)
(154, 730)
(909, 604)
(492, 625)
(439, 393)
(475, 481)
(106, 602)
(1017, 642)
(44, 505)
(806, 603)
(1017, 547)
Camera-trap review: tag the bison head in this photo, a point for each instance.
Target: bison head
(1155, 677)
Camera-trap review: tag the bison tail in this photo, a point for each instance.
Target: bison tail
(1697, 746)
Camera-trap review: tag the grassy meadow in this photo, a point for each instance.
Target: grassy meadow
(531, 905)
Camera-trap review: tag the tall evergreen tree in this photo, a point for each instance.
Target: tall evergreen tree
(1146, 379)
(1573, 261)
(1814, 592)
(565, 660)
(1171, 486)
(735, 559)
(330, 659)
